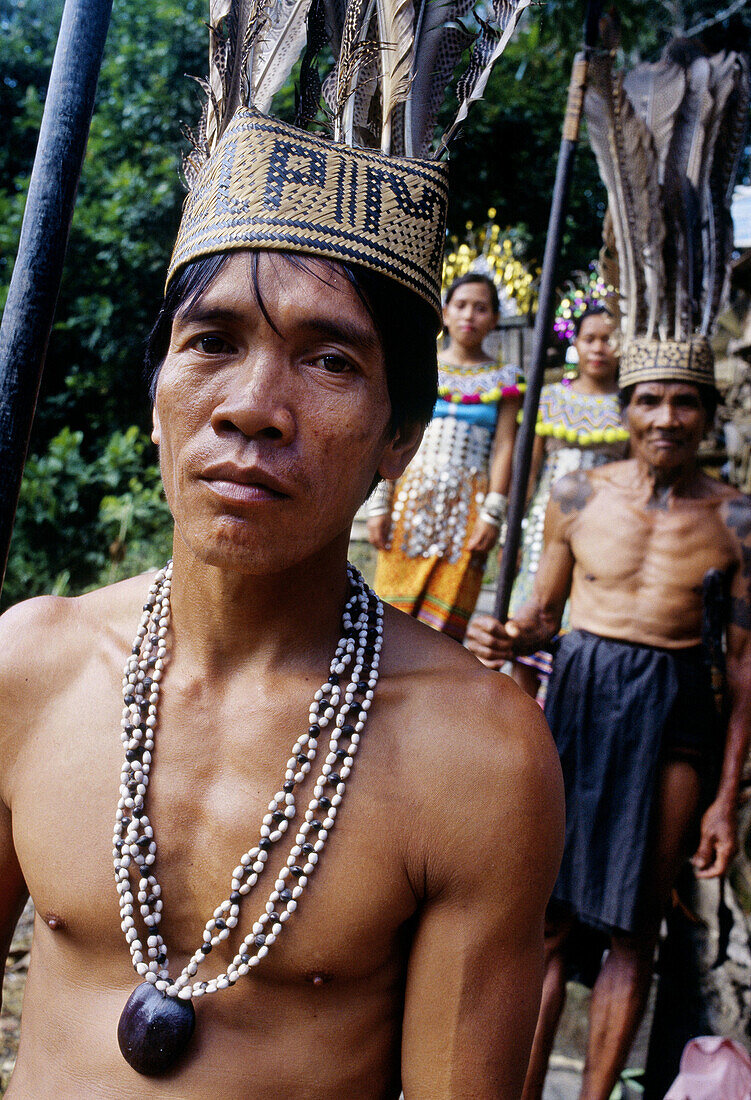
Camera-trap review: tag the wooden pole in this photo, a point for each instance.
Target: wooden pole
(544, 320)
(32, 296)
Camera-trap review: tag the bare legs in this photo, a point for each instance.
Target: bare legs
(620, 993)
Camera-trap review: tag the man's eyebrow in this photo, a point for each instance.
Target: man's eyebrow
(341, 329)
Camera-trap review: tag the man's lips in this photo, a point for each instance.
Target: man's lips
(244, 484)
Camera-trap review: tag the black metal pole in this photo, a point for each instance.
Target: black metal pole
(34, 286)
(544, 320)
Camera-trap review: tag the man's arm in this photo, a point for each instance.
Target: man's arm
(539, 620)
(719, 827)
(13, 892)
(475, 969)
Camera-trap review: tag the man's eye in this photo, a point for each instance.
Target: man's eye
(333, 364)
(212, 345)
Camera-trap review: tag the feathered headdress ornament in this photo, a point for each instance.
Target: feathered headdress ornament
(668, 138)
(371, 192)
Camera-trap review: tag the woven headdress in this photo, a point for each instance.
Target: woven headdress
(371, 192)
(668, 138)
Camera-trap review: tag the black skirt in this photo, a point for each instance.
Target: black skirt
(616, 711)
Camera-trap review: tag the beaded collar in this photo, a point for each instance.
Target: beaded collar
(585, 420)
(486, 383)
(158, 1020)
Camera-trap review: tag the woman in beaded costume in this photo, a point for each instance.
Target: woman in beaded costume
(435, 527)
(578, 426)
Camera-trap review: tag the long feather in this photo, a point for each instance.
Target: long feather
(396, 32)
(726, 139)
(234, 27)
(277, 48)
(308, 94)
(682, 173)
(440, 39)
(490, 43)
(656, 93)
(629, 167)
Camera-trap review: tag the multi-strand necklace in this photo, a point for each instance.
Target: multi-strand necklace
(158, 1020)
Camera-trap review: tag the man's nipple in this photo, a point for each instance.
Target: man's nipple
(57, 924)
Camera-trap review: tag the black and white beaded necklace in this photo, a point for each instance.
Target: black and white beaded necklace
(159, 1018)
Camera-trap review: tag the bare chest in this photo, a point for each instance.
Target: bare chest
(628, 549)
(212, 779)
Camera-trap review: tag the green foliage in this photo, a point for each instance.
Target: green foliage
(85, 522)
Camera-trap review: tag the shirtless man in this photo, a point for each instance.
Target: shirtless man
(415, 958)
(629, 702)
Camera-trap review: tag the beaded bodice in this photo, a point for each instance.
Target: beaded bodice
(566, 417)
(433, 497)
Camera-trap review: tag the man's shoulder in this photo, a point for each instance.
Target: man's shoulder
(48, 636)
(481, 735)
(735, 512)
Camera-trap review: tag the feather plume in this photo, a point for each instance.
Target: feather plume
(489, 45)
(234, 27)
(656, 93)
(396, 33)
(308, 95)
(440, 40)
(276, 50)
(727, 140)
(628, 165)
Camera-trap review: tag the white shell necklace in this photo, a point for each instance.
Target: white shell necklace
(159, 1018)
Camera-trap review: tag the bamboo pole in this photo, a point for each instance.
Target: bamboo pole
(35, 283)
(544, 321)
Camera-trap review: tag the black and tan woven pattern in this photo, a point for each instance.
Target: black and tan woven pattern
(272, 186)
(667, 361)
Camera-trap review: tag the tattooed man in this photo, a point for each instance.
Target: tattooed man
(629, 701)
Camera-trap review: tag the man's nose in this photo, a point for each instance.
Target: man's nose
(256, 401)
(666, 415)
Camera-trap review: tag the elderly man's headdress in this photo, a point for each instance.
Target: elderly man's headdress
(668, 138)
(373, 191)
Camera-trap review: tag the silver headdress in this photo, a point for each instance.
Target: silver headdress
(668, 138)
(373, 195)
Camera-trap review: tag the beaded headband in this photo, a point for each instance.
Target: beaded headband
(667, 361)
(270, 185)
(377, 194)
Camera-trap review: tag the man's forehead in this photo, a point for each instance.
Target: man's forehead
(667, 389)
(302, 290)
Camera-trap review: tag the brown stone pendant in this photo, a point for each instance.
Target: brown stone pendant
(154, 1030)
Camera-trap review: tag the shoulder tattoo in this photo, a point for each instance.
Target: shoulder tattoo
(572, 492)
(740, 613)
(738, 516)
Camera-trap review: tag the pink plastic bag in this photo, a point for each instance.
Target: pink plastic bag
(712, 1069)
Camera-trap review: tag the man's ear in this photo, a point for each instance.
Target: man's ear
(156, 428)
(400, 450)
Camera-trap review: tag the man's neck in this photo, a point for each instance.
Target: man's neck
(224, 620)
(661, 486)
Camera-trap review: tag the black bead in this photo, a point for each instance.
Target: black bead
(314, 730)
(285, 895)
(161, 958)
(154, 1031)
(235, 897)
(307, 849)
(264, 844)
(128, 699)
(302, 758)
(245, 958)
(259, 940)
(333, 778)
(143, 842)
(220, 924)
(316, 824)
(289, 786)
(341, 754)
(348, 730)
(206, 948)
(277, 816)
(324, 802)
(296, 871)
(362, 687)
(273, 916)
(333, 678)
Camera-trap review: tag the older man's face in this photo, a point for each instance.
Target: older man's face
(269, 440)
(667, 423)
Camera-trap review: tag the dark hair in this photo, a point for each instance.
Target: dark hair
(406, 325)
(708, 396)
(475, 277)
(595, 310)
